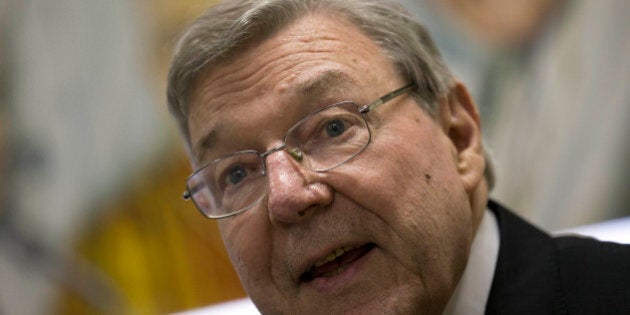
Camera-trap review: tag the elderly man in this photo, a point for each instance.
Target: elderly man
(346, 170)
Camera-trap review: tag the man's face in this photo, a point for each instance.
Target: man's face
(397, 217)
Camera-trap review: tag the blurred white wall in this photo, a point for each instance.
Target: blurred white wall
(83, 117)
(555, 106)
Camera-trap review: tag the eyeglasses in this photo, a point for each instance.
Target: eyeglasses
(321, 141)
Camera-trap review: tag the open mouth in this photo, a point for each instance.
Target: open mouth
(336, 262)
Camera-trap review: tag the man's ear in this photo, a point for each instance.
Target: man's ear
(461, 123)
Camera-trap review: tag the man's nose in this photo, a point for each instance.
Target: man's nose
(295, 192)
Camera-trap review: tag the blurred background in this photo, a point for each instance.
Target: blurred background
(92, 170)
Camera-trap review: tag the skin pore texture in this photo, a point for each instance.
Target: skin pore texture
(401, 215)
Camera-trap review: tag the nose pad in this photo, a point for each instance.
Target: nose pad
(296, 154)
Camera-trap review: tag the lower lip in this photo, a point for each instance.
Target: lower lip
(337, 282)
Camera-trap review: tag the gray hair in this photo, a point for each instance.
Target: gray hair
(232, 26)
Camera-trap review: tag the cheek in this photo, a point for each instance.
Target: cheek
(426, 194)
(412, 185)
(248, 247)
(414, 171)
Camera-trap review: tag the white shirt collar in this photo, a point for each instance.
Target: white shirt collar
(471, 294)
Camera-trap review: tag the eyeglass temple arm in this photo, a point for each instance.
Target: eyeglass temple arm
(385, 98)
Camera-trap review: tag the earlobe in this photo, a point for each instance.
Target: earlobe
(461, 122)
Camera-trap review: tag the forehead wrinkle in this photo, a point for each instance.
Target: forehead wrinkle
(298, 44)
(233, 83)
(223, 77)
(327, 81)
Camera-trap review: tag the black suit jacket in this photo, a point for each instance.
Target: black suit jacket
(538, 274)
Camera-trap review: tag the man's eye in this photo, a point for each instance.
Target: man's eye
(236, 175)
(335, 128)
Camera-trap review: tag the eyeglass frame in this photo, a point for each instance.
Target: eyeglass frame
(296, 153)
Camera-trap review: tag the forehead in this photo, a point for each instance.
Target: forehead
(314, 56)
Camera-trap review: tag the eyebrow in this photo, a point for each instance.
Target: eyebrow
(204, 144)
(309, 89)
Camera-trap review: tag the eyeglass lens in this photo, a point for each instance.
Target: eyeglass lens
(326, 139)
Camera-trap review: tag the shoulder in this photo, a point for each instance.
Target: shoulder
(595, 275)
(592, 250)
(539, 274)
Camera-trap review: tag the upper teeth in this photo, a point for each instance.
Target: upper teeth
(332, 256)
